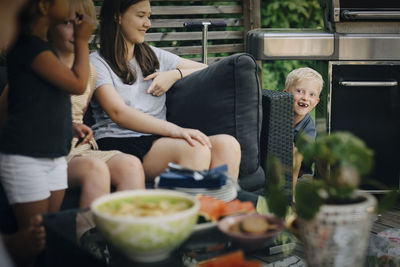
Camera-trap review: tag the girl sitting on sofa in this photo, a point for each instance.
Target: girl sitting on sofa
(129, 105)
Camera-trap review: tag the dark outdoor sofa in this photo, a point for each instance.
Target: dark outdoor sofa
(225, 98)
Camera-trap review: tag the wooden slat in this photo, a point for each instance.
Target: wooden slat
(189, 36)
(195, 10)
(210, 60)
(190, 50)
(178, 23)
(154, 1)
(186, 36)
(251, 14)
(191, 10)
(171, 14)
(166, 1)
(389, 219)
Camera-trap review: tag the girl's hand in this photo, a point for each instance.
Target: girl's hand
(191, 134)
(83, 27)
(162, 81)
(82, 131)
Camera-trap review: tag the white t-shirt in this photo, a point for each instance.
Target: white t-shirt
(134, 95)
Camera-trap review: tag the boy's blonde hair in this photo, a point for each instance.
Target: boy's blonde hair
(84, 7)
(301, 74)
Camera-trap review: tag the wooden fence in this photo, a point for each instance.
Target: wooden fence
(167, 30)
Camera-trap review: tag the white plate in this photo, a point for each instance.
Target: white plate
(204, 226)
(226, 193)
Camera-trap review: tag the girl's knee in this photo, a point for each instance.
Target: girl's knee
(97, 166)
(97, 174)
(129, 163)
(198, 157)
(226, 143)
(127, 173)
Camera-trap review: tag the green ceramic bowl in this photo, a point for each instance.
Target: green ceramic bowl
(148, 238)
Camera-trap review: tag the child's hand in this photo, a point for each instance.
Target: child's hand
(83, 132)
(190, 135)
(83, 27)
(162, 82)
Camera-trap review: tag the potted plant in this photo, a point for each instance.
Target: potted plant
(334, 218)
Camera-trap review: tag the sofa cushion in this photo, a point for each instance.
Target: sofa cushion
(224, 98)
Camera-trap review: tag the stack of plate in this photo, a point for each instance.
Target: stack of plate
(226, 193)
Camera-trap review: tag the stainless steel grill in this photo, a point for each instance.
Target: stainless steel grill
(361, 43)
(361, 16)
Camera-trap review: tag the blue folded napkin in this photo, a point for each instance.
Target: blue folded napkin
(214, 178)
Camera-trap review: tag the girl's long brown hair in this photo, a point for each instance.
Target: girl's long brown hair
(112, 45)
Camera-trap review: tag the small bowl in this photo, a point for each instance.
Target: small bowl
(250, 241)
(146, 238)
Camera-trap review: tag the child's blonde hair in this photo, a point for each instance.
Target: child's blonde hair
(84, 6)
(301, 74)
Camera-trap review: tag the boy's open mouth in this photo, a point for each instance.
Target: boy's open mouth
(303, 105)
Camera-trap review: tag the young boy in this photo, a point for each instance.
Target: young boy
(305, 84)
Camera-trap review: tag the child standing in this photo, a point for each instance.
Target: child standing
(305, 84)
(88, 167)
(38, 132)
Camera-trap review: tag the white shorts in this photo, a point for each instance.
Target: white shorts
(28, 179)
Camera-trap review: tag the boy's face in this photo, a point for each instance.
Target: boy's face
(306, 96)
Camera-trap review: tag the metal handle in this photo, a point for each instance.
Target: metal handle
(368, 83)
(371, 14)
(204, 25)
(200, 24)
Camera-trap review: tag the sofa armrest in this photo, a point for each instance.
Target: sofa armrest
(277, 131)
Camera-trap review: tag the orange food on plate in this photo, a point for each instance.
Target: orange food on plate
(232, 259)
(210, 208)
(213, 208)
(236, 206)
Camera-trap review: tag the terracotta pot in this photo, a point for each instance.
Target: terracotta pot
(339, 234)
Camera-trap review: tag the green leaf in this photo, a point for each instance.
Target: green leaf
(277, 202)
(277, 197)
(262, 206)
(308, 201)
(388, 201)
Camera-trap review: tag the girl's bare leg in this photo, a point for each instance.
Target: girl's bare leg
(24, 212)
(178, 151)
(55, 200)
(126, 172)
(92, 175)
(226, 150)
(26, 243)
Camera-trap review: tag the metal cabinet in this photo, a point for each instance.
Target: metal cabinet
(364, 98)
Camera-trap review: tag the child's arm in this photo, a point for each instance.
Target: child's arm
(136, 120)
(74, 80)
(3, 107)
(163, 81)
(92, 84)
(297, 159)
